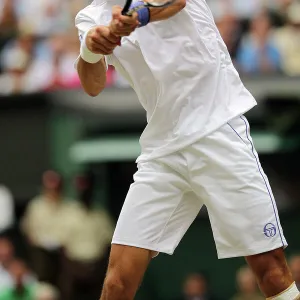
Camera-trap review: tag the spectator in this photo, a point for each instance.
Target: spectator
(288, 40)
(20, 289)
(63, 53)
(7, 18)
(16, 61)
(86, 246)
(50, 16)
(6, 209)
(33, 65)
(196, 288)
(45, 291)
(258, 52)
(44, 226)
(6, 257)
(247, 287)
(243, 10)
(295, 268)
(230, 30)
(279, 11)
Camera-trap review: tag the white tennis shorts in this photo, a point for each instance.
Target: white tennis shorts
(221, 171)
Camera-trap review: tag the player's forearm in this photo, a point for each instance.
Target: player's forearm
(159, 14)
(92, 76)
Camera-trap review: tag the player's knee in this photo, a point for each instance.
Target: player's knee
(275, 276)
(115, 286)
(270, 268)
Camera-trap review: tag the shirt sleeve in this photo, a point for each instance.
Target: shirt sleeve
(84, 21)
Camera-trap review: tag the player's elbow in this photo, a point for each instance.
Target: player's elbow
(92, 77)
(93, 87)
(94, 92)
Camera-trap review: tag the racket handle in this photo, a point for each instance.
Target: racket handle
(127, 13)
(126, 7)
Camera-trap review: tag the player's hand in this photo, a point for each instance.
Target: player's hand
(123, 25)
(101, 40)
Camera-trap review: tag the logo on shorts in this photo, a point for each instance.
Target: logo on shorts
(270, 230)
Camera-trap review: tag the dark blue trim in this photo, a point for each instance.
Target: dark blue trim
(236, 133)
(259, 170)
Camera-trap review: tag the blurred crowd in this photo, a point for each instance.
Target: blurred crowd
(197, 286)
(38, 41)
(262, 36)
(66, 244)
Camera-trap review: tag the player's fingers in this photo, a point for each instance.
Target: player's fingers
(116, 12)
(129, 20)
(121, 29)
(101, 49)
(102, 46)
(114, 29)
(107, 44)
(125, 32)
(124, 28)
(106, 34)
(116, 38)
(102, 41)
(105, 41)
(112, 38)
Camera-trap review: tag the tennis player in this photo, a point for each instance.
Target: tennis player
(196, 149)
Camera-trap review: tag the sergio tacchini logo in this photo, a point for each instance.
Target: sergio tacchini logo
(270, 230)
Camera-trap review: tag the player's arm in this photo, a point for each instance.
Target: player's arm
(159, 14)
(92, 76)
(91, 66)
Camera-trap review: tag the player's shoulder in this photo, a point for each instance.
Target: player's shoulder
(86, 13)
(91, 11)
(97, 13)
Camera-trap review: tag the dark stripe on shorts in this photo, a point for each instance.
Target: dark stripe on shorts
(259, 170)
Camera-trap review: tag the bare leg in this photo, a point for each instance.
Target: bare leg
(126, 269)
(272, 272)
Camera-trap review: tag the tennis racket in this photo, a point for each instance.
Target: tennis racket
(148, 3)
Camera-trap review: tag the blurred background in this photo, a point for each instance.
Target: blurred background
(66, 160)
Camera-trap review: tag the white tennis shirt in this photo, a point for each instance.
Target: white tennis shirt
(181, 72)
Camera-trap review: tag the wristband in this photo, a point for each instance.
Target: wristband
(143, 13)
(86, 54)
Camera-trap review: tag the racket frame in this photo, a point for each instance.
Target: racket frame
(128, 12)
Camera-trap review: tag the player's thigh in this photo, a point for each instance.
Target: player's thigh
(236, 191)
(158, 209)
